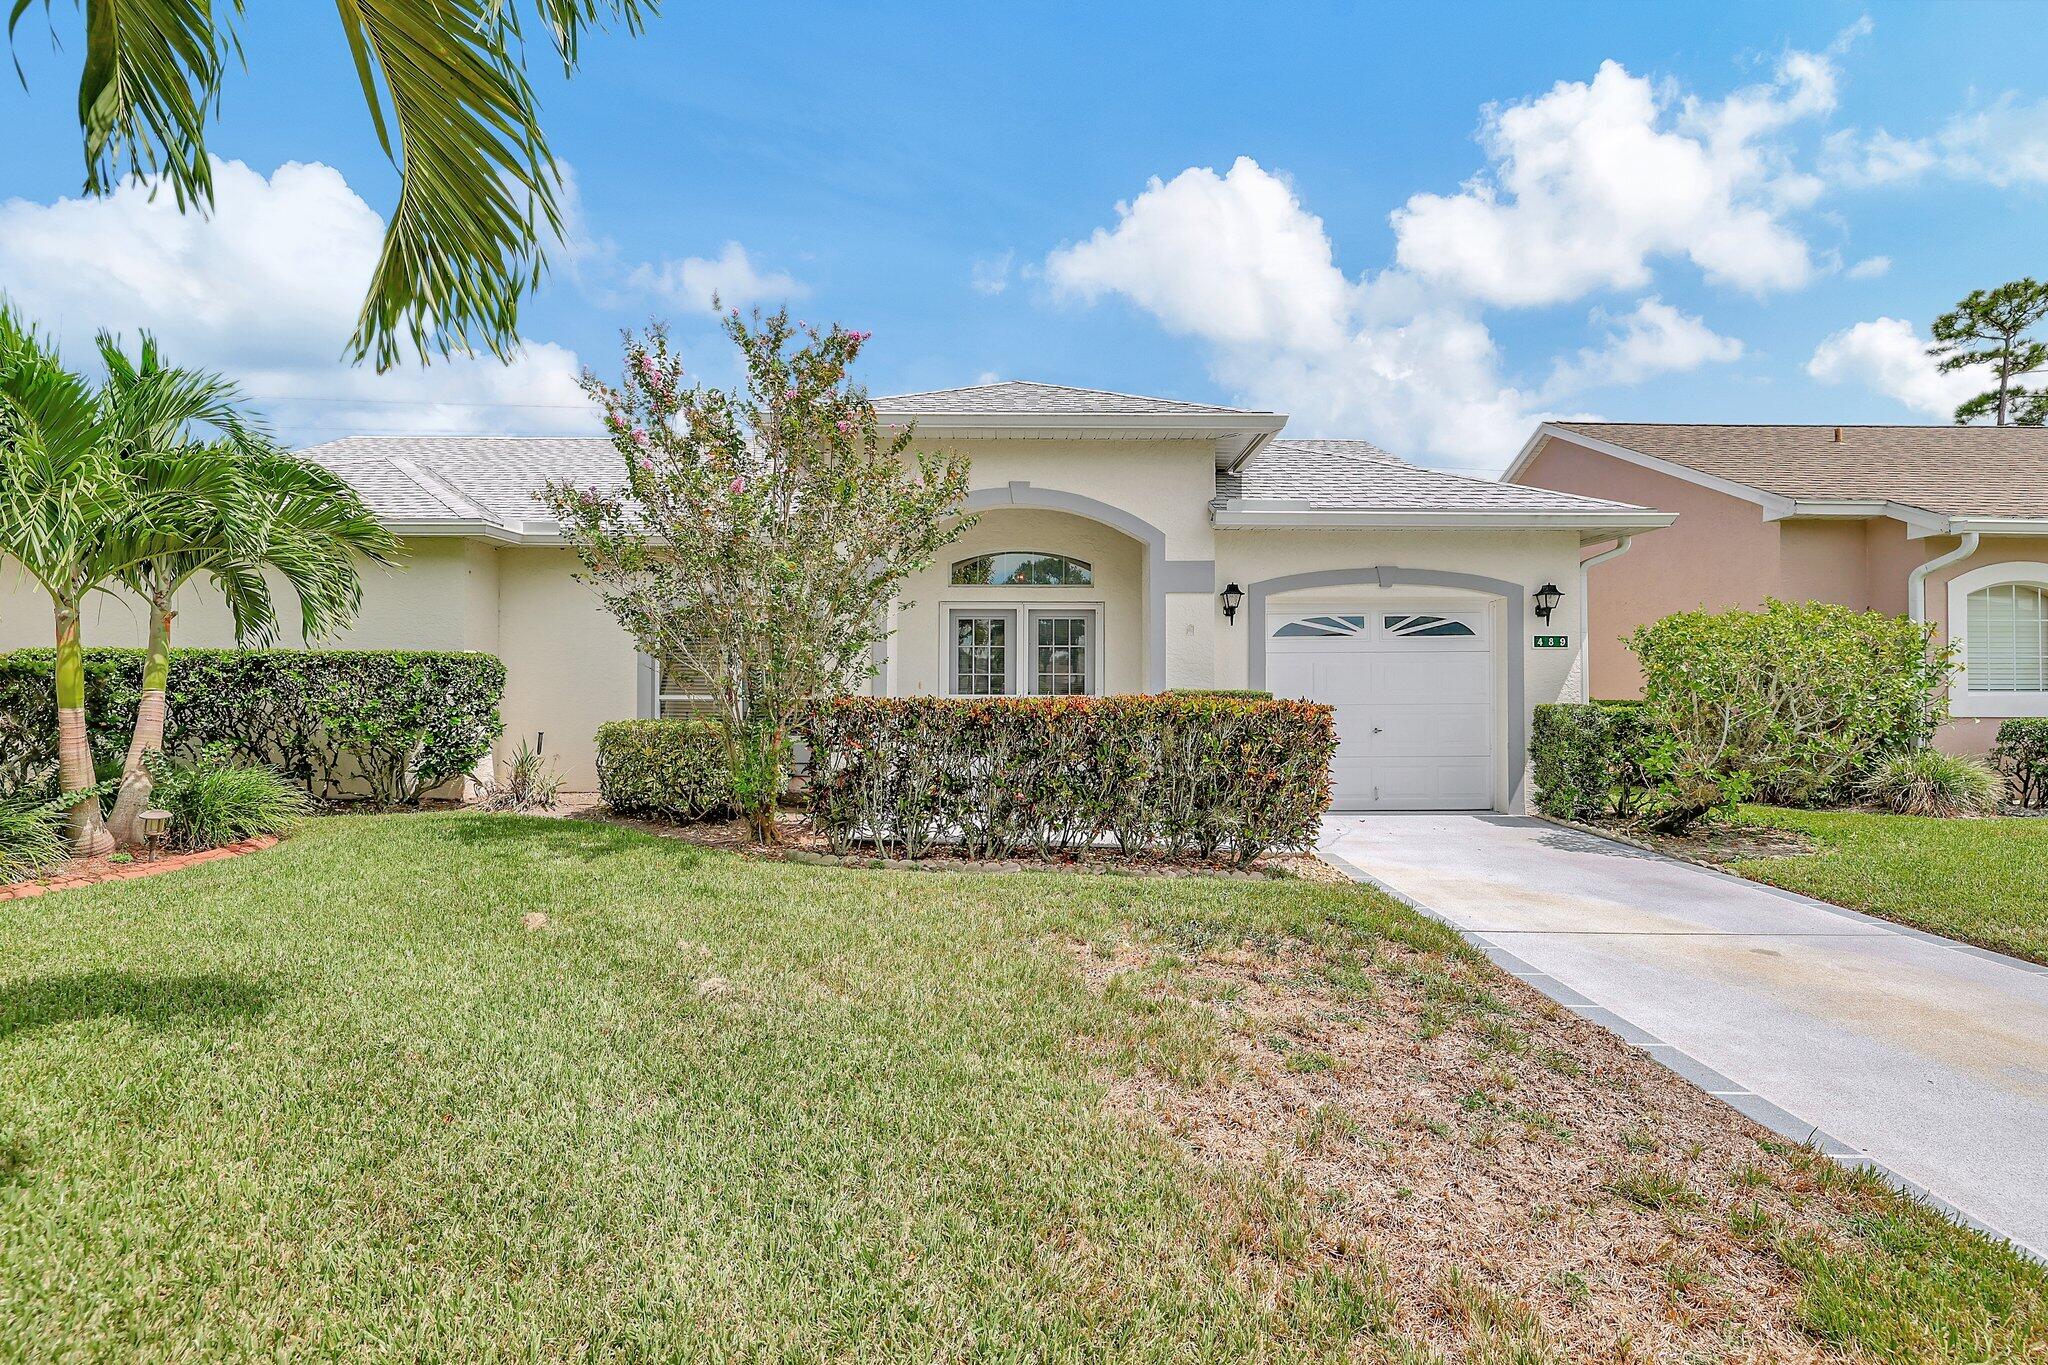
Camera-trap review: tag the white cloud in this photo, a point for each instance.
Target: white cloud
(731, 277)
(991, 274)
(1233, 258)
(2003, 144)
(1653, 339)
(1870, 268)
(1890, 356)
(1237, 261)
(1592, 182)
(265, 289)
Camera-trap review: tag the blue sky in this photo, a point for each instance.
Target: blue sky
(1424, 225)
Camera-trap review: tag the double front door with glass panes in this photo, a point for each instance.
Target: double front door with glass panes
(1022, 651)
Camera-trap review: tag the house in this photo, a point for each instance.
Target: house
(1124, 544)
(1943, 524)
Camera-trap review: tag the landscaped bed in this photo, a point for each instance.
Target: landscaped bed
(462, 1085)
(1983, 881)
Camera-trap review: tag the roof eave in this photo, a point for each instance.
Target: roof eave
(1238, 435)
(525, 533)
(1247, 514)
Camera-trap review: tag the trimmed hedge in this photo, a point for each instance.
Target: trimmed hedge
(1186, 775)
(2021, 753)
(387, 724)
(1591, 758)
(664, 769)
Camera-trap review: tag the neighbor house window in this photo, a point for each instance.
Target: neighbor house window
(2005, 639)
(1023, 569)
(684, 691)
(1022, 651)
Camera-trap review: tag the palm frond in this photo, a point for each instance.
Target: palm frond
(150, 85)
(478, 187)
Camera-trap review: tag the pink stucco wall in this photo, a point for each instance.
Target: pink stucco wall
(1721, 553)
(1718, 554)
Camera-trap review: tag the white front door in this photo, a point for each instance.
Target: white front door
(1413, 692)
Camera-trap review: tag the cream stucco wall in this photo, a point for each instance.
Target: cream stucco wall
(570, 667)
(917, 650)
(435, 600)
(1527, 558)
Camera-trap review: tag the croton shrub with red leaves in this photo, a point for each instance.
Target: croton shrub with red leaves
(1185, 776)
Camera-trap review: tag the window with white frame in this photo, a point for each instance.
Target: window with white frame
(1023, 651)
(2006, 636)
(683, 690)
(1998, 617)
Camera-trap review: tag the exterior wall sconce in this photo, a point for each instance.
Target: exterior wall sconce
(1547, 598)
(1232, 597)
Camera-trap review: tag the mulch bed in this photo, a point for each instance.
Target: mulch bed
(89, 871)
(1515, 1182)
(798, 842)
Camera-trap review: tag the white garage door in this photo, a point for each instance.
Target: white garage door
(1413, 692)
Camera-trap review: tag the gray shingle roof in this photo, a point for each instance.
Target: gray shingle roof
(1357, 476)
(1024, 396)
(492, 479)
(466, 478)
(1955, 471)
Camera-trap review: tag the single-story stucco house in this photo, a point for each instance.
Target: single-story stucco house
(1945, 524)
(1124, 544)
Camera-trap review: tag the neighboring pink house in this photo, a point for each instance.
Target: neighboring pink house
(1946, 524)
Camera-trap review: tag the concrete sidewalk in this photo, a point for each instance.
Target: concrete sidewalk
(1881, 1043)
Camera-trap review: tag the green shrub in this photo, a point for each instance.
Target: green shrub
(1931, 782)
(1590, 758)
(31, 839)
(217, 799)
(1572, 748)
(388, 724)
(665, 769)
(1186, 775)
(1249, 693)
(529, 782)
(2021, 753)
(1791, 704)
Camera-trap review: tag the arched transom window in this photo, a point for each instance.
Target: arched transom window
(1023, 569)
(2006, 638)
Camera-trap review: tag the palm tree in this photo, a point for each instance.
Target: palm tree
(277, 513)
(75, 520)
(477, 182)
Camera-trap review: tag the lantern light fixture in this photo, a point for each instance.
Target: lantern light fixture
(1232, 597)
(1547, 598)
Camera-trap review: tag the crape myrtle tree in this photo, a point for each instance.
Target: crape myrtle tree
(759, 535)
(1989, 329)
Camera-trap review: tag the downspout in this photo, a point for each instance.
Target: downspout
(1916, 582)
(1586, 614)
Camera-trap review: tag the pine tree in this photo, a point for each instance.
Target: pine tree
(1990, 327)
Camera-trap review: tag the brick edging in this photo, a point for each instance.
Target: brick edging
(121, 872)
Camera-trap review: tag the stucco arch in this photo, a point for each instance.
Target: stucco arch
(1162, 575)
(1512, 595)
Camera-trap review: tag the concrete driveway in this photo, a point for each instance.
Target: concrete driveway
(1881, 1043)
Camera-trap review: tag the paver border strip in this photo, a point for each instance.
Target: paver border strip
(1682, 1063)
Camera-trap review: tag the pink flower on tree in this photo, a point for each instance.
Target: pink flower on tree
(739, 485)
(845, 427)
(639, 436)
(648, 367)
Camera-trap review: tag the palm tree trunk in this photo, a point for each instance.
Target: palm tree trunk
(150, 713)
(89, 837)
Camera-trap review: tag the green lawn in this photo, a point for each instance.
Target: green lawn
(336, 1100)
(1981, 881)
